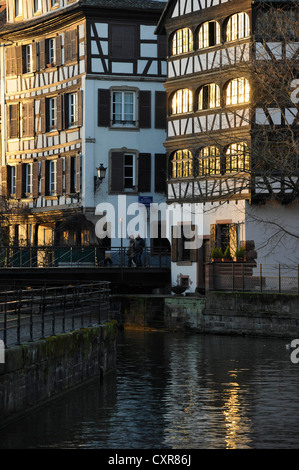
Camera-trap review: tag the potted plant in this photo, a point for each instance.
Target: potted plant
(227, 256)
(216, 254)
(240, 254)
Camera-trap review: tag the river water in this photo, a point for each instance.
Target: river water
(176, 391)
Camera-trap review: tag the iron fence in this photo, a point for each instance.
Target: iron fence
(77, 256)
(31, 314)
(255, 277)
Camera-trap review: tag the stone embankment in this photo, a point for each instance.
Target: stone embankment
(37, 372)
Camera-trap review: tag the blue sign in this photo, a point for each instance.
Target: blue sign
(145, 200)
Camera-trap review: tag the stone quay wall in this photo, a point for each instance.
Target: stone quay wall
(238, 313)
(34, 373)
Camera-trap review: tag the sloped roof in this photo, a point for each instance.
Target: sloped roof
(169, 7)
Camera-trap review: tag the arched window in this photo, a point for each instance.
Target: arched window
(209, 34)
(182, 41)
(182, 101)
(237, 157)
(182, 164)
(209, 97)
(238, 91)
(209, 162)
(238, 27)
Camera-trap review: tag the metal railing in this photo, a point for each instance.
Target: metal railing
(31, 314)
(255, 277)
(77, 256)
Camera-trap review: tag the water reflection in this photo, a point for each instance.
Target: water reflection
(176, 391)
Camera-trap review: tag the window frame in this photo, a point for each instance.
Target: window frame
(123, 122)
(210, 97)
(209, 161)
(205, 33)
(50, 52)
(182, 42)
(18, 9)
(182, 101)
(72, 110)
(237, 159)
(52, 175)
(51, 110)
(182, 167)
(132, 177)
(28, 179)
(236, 94)
(233, 30)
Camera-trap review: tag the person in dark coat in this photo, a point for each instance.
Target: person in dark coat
(131, 252)
(139, 245)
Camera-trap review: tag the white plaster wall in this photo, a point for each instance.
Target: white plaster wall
(271, 226)
(99, 142)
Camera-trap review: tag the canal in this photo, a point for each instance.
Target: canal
(176, 391)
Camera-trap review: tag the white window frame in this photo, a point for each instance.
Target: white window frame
(72, 109)
(28, 178)
(52, 177)
(18, 8)
(37, 6)
(51, 56)
(52, 113)
(28, 58)
(13, 177)
(132, 166)
(121, 117)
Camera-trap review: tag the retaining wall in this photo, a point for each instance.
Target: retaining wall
(34, 373)
(238, 313)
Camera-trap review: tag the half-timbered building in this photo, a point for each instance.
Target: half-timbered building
(82, 89)
(229, 135)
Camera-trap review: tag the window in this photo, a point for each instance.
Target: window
(123, 41)
(209, 97)
(182, 41)
(50, 51)
(183, 238)
(27, 58)
(28, 178)
(52, 176)
(37, 6)
(238, 27)
(129, 171)
(209, 161)
(209, 34)
(27, 122)
(182, 164)
(13, 113)
(238, 91)
(18, 7)
(73, 175)
(12, 180)
(182, 102)
(123, 107)
(72, 110)
(237, 157)
(51, 113)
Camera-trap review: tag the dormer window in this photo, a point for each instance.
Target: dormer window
(182, 41)
(209, 34)
(238, 27)
(37, 6)
(18, 8)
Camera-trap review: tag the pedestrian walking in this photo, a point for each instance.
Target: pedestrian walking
(131, 252)
(139, 246)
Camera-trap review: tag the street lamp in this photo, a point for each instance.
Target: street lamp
(101, 173)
